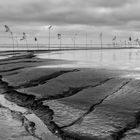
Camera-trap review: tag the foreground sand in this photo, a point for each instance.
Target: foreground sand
(74, 103)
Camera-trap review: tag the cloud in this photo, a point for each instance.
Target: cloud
(60, 11)
(109, 14)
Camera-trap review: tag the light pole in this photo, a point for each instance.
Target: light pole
(49, 39)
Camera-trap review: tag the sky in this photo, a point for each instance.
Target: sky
(71, 18)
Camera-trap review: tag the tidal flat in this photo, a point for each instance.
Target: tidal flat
(69, 103)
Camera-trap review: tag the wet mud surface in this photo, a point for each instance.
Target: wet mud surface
(74, 104)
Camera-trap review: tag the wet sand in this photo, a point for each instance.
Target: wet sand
(74, 103)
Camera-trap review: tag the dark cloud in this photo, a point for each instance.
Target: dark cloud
(109, 13)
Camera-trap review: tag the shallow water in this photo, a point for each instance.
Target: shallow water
(106, 118)
(117, 110)
(124, 59)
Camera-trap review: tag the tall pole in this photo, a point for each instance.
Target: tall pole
(125, 44)
(25, 37)
(17, 41)
(36, 40)
(101, 39)
(114, 40)
(60, 43)
(27, 44)
(13, 42)
(8, 30)
(86, 40)
(49, 40)
(73, 40)
(37, 45)
(59, 38)
(130, 39)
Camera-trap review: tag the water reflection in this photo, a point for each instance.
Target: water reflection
(101, 55)
(109, 58)
(114, 56)
(130, 56)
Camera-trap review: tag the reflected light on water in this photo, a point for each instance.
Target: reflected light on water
(132, 76)
(109, 58)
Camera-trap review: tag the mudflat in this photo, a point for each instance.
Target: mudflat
(73, 103)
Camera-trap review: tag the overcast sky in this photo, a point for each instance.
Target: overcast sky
(112, 17)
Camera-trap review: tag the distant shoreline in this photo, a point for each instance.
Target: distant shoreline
(70, 49)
